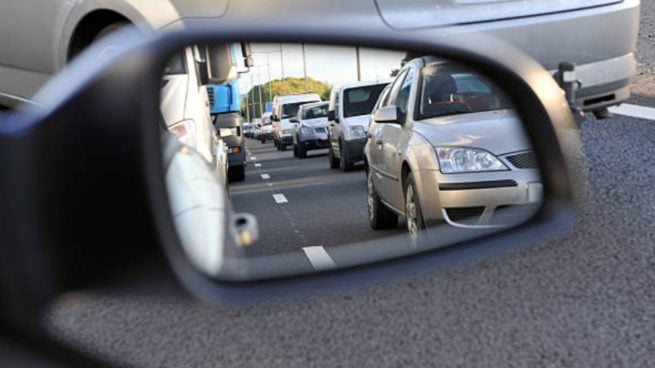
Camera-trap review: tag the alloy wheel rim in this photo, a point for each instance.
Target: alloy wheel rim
(410, 210)
(371, 201)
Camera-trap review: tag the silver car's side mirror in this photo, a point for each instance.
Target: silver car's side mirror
(490, 130)
(387, 114)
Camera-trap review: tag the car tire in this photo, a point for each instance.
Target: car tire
(345, 163)
(379, 216)
(413, 213)
(334, 162)
(302, 152)
(236, 173)
(283, 147)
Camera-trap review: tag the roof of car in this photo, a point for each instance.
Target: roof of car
(313, 104)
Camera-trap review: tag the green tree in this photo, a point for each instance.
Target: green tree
(287, 86)
(408, 57)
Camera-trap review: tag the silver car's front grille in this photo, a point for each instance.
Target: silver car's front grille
(525, 160)
(465, 215)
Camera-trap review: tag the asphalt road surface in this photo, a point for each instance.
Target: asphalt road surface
(583, 298)
(302, 203)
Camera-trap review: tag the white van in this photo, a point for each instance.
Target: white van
(348, 120)
(185, 108)
(286, 108)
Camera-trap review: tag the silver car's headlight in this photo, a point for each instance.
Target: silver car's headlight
(305, 130)
(357, 131)
(462, 159)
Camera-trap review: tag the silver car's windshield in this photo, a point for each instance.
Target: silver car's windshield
(449, 90)
(315, 112)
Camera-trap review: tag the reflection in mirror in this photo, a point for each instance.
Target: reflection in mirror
(336, 156)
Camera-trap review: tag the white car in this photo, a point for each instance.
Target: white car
(348, 118)
(286, 108)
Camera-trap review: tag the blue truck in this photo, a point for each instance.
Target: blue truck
(225, 108)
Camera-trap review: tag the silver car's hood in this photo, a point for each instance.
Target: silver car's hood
(498, 131)
(317, 122)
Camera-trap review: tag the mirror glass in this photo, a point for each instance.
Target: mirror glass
(393, 153)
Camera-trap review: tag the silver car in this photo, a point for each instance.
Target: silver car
(310, 129)
(598, 36)
(445, 146)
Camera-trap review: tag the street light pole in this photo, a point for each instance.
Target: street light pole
(304, 66)
(259, 82)
(270, 81)
(281, 61)
(359, 65)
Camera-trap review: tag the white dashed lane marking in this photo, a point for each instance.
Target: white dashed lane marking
(280, 198)
(266, 176)
(635, 111)
(319, 258)
(258, 165)
(253, 158)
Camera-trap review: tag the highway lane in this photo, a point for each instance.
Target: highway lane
(322, 207)
(583, 298)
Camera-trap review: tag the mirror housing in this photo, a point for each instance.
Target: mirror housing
(387, 114)
(128, 121)
(217, 57)
(332, 116)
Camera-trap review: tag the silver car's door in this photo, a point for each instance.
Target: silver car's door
(30, 40)
(384, 178)
(30, 32)
(396, 138)
(375, 133)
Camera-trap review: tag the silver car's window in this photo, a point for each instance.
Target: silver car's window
(384, 96)
(395, 88)
(403, 95)
(449, 90)
(315, 112)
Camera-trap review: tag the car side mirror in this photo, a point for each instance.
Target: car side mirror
(144, 177)
(294, 121)
(332, 116)
(387, 114)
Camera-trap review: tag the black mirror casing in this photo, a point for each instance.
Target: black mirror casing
(88, 116)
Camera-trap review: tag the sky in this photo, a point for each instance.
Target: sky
(335, 65)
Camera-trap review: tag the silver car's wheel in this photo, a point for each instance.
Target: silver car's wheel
(379, 216)
(413, 215)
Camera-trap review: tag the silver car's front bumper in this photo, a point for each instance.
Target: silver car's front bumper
(479, 199)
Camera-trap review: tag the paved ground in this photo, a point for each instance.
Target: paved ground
(585, 298)
(324, 207)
